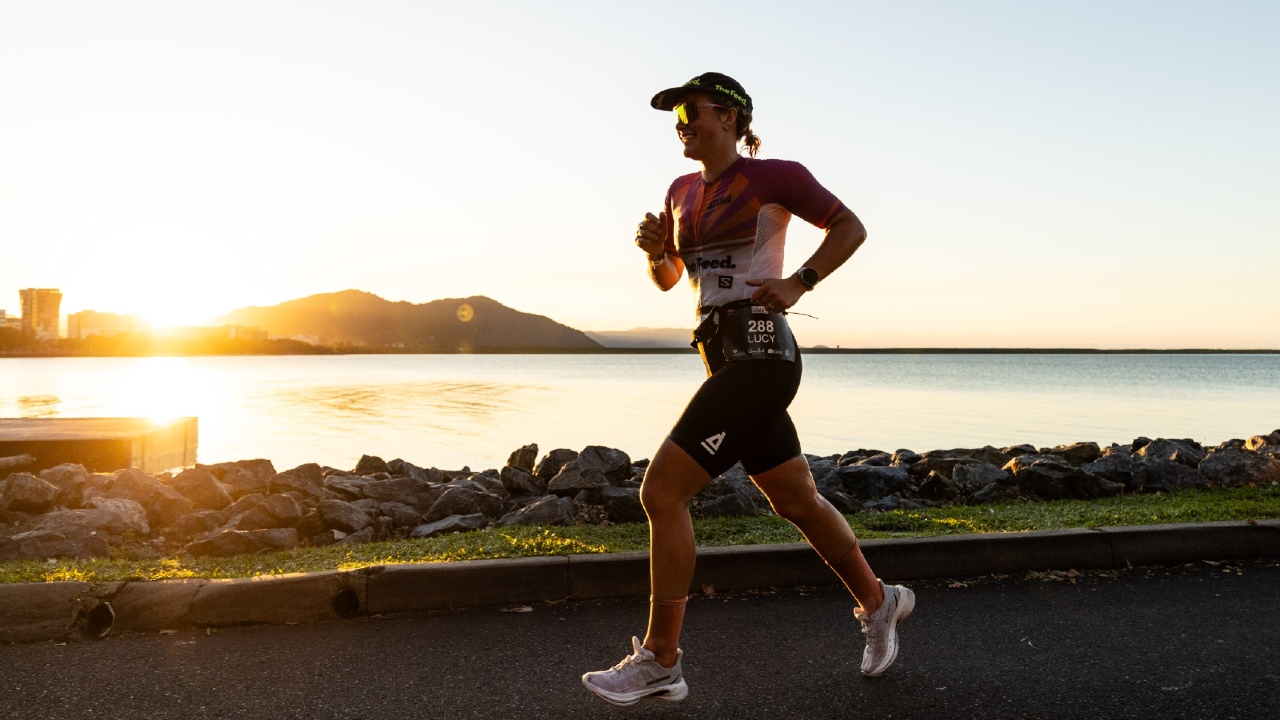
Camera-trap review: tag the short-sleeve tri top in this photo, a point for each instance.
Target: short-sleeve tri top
(733, 229)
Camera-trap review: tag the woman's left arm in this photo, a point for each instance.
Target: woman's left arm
(844, 235)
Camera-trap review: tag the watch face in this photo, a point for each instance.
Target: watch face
(808, 276)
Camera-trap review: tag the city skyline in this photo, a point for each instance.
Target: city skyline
(1030, 176)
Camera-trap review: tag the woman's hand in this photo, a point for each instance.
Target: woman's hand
(777, 294)
(651, 235)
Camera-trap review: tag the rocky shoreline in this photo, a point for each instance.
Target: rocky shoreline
(247, 506)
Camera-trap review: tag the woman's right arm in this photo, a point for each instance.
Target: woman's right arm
(665, 267)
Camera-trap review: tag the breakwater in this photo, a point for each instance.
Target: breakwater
(248, 506)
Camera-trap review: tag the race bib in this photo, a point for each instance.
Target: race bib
(751, 332)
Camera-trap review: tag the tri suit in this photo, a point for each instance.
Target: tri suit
(726, 232)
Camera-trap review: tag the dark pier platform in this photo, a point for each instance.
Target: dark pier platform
(101, 444)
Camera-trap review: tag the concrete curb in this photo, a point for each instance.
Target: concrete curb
(76, 610)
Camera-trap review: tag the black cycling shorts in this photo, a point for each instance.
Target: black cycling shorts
(740, 415)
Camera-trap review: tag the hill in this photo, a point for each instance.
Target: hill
(354, 317)
(642, 337)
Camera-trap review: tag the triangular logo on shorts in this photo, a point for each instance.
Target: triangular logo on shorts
(712, 444)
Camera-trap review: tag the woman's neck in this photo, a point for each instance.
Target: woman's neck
(712, 168)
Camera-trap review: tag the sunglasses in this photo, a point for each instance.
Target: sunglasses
(688, 112)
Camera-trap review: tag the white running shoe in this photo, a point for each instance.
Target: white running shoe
(881, 628)
(638, 676)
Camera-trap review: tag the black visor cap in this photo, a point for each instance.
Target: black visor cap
(712, 83)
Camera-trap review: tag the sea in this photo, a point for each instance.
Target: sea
(455, 411)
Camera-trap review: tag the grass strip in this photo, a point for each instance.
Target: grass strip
(513, 542)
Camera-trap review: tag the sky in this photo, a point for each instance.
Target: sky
(1086, 174)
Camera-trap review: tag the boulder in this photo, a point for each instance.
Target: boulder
(864, 482)
(339, 515)
(70, 479)
(888, 502)
(276, 511)
(401, 515)
(524, 458)
(309, 473)
(1239, 467)
(938, 487)
(115, 516)
(464, 501)
(547, 510)
(202, 489)
(287, 483)
(46, 544)
(519, 481)
(1014, 451)
(990, 455)
(164, 504)
(903, 457)
(24, 492)
(575, 477)
(259, 468)
(1186, 452)
(841, 501)
(976, 475)
(198, 523)
(451, 524)
(1050, 476)
(240, 483)
(553, 462)
(622, 505)
(1159, 475)
(491, 482)
(225, 543)
(735, 504)
(1254, 443)
(312, 524)
(417, 494)
(350, 487)
(366, 505)
(942, 462)
(1115, 466)
(1077, 454)
(370, 464)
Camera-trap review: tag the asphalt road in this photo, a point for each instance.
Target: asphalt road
(1200, 641)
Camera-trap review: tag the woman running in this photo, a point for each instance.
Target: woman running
(726, 226)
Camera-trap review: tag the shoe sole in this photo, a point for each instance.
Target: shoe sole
(906, 603)
(674, 692)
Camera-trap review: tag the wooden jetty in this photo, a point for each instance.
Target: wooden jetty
(100, 444)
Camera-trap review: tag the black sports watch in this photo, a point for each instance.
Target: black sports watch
(808, 277)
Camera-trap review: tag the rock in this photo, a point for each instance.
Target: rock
(225, 543)
(326, 537)
(401, 515)
(370, 464)
(276, 511)
(240, 483)
(864, 482)
(70, 479)
(841, 501)
(942, 462)
(888, 502)
(309, 473)
(990, 455)
(1014, 451)
(735, 505)
(115, 516)
(1254, 443)
(491, 482)
(576, 477)
(348, 486)
(45, 544)
(260, 469)
(1239, 467)
(553, 462)
(519, 481)
(202, 489)
(1186, 452)
(366, 535)
(1116, 467)
(464, 501)
(622, 505)
(451, 524)
(548, 510)
(312, 524)
(198, 523)
(366, 505)
(524, 458)
(24, 492)
(938, 487)
(994, 493)
(285, 483)
(877, 460)
(417, 494)
(339, 515)
(1050, 476)
(979, 474)
(164, 504)
(904, 457)
(1078, 454)
(1233, 443)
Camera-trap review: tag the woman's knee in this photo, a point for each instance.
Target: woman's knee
(798, 504)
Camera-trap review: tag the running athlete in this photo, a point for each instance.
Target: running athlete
(725, 226)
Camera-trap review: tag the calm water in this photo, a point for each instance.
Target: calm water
(455, 410)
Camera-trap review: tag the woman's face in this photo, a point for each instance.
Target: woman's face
(707, 135)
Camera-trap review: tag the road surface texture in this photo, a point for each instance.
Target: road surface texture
(1192, 641)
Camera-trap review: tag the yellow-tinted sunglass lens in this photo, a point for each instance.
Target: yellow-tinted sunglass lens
(681, 114)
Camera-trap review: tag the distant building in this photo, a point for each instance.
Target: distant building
(231, 332)
(40, 311)
(87, 322)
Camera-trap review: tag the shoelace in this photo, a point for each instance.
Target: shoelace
(628, 660)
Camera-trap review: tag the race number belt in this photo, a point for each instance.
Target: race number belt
(748, 332)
